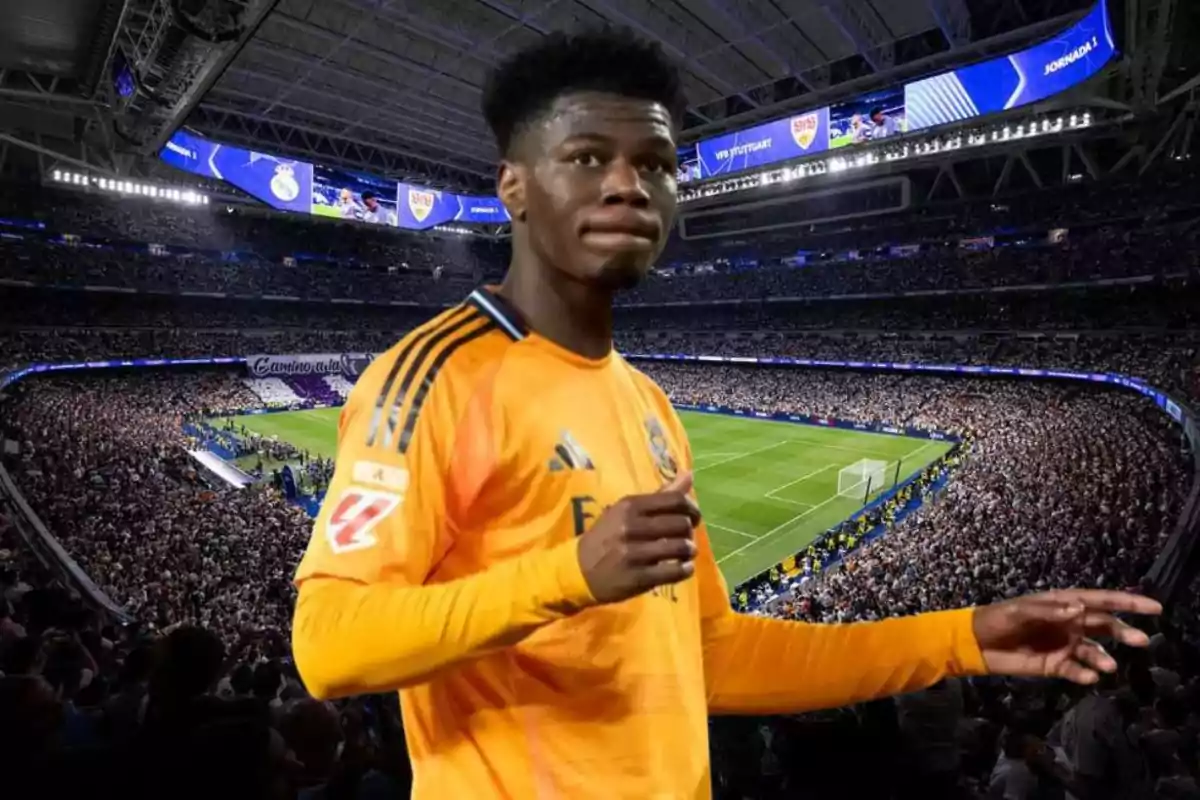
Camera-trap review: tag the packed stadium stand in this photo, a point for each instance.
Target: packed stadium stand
(1047, 334)
(1057, 485)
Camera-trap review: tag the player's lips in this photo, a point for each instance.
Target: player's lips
(629, 232)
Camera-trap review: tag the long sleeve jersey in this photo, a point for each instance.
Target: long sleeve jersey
(471, 458)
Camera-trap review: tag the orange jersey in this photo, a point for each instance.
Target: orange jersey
(471, 457)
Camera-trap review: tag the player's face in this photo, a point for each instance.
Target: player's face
(599, 189)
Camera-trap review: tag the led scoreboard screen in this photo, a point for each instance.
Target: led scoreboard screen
(996, 85)
(279, 182)
(1015, 80)
(999, 84)
(290, 185)
(780, 140)
(419, 207)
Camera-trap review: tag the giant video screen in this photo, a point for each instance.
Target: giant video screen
(1000, 84)
(279, 182)
(421, 208)
(343, 194)
(291, 185)
(867, 118)
(1015, 80)
(779, 140)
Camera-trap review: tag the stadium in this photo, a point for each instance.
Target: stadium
(929, 316)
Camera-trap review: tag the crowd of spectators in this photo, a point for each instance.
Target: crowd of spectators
(67, 266)
(1158, 197)
(1059, 486)
(211, 232)
(1146, 308)
(1107, 253)
(103, 462)
(1170, 360)
(91, 707)
(1036, 502)
(1055, 485)
(241, 253)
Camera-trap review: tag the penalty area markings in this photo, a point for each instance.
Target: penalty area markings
(730, 530)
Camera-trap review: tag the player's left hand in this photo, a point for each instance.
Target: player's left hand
(1053, 634)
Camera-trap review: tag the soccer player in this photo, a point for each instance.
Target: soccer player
(375, 212)
(882, 126)
(511, 539)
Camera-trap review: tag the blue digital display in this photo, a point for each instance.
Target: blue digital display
(868, 118)
(1015, 80)
(1000, 84)
(342, 194)
(689, 164)
(419, 208)
(279, 182)
(779, 140)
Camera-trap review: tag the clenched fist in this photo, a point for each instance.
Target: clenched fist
(642, 542)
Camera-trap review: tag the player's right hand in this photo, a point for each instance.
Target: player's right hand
(642, 542)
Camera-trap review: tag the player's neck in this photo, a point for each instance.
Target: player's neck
(567, 313)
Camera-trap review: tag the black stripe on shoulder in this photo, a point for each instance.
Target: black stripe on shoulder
(415, 338)
(500, 311)
(418, 363)
(410, 423)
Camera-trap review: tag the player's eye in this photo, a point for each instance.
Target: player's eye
(658, 166)
(586, 159)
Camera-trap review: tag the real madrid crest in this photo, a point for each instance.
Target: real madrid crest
(660, 450)
(284, 184)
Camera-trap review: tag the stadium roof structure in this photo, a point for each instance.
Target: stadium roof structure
(395, 86)
(392, 87)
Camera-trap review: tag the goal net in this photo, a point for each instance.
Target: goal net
(862, 478)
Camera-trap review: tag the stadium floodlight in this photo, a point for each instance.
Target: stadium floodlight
(863, 478)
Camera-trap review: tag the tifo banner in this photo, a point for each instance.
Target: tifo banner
(351, 365)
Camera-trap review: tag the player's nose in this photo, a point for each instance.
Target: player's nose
(623, 184)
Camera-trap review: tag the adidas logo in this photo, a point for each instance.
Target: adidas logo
(569, 454)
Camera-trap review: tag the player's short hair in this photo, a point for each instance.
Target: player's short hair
(612, 60)
(877, 110)
(369, 195)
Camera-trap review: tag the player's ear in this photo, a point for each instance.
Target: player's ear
(510, 188)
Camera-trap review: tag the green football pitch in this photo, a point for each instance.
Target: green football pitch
(767, 488)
